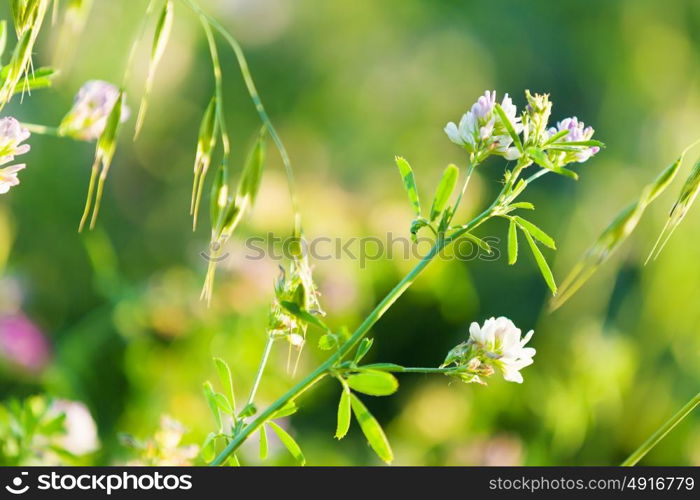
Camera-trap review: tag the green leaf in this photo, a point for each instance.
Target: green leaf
(557, 136)
(590, 143)
(289, 443)
(253, 170)
(223, 404)
(536, 232)
(444, 191)
(226, 380)
(509, 127)
(512, 243)
(263, 443)
(541, 263)
(372, 430)
(208, 450)
(248, 411)
(328, 341)
(409, 183)
(288, 409)
(373, 383)
(541, 158)
(343, 414)
(478, 242)
(213, 404)
(526, 205)
(363, 349)
(295, 310)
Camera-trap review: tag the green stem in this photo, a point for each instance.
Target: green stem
(354, 339)
(261, 369)
(255, 97)
(655, 438)
(219, 89)
(42, 129)
(135, 43)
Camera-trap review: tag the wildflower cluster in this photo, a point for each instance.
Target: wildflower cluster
(489, 128)
(496, 345)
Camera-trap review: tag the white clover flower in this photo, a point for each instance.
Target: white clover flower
(499, 339)
(577, 132)
(481, 131)
(88, 117)
(81, 431)
(8, 177)
(495, 345)
(12, 134)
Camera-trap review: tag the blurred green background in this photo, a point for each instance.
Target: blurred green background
(349, 85)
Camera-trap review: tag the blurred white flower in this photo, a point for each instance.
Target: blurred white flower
(12, 134)
(481, 130)
(88, 117)
(8, 177)
(499, 340)
(81, 432)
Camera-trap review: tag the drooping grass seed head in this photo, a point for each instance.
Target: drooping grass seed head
(93, 104)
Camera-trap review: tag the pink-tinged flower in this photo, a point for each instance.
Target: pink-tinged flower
(12, 135)
(23, 344)
(8, 177)
(88, 117)
(80, 436)
(481, 130)
(577, 132)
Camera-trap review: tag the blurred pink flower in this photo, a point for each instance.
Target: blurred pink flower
(22, 343)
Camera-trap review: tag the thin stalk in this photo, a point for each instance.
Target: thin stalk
(42, 129)
(255, 97)
(655, 438)
(135, 43)
(261, 369)
(219, 88)
(356, 337)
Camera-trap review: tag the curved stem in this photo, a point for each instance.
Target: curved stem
(261, 369)
(354, 339)
(42, 129)
(255, 97)
(655, 438)
(219, 89)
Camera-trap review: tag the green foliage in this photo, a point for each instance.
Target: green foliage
(344, 414)
(31, 431)
(289, 443)
(409, 183)
(372, 430)
(444, 191)
(373, 383)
